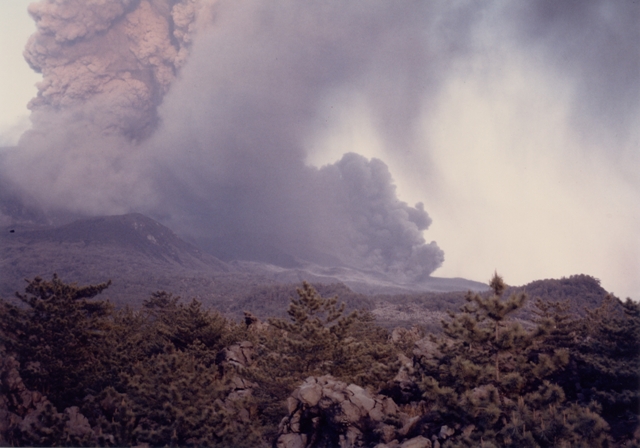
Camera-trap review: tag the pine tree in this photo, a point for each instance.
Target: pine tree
(557, 330)
(182, 325)
(608, 364)
(486, 384)
(59, 338)
(178, 400)
(318, 339)
(170, 391)
(604, 360)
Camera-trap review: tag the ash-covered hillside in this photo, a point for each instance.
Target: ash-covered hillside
(141, 256)
(133, 233)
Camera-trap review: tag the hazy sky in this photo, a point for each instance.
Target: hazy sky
(517, 127)
(16, 78)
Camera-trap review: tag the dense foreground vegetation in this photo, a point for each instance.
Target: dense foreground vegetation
(76, 371)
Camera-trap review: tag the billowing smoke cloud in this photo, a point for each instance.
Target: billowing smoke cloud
(105, 66)
(200, 112)
(385, 234)
(222, 159)
(110, 61)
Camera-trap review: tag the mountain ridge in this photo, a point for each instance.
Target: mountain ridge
(139, 241)
(130, 231)
(142, 256)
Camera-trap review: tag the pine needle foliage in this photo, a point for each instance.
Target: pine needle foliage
(58, 337)
(608, 364)
(558, 330)
(178, 326)
(317, 339)
(170, 391)
(180, 401)
(604, 358)
(483, 379)
(162, 375)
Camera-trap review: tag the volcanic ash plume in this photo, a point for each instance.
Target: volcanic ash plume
(198, 114)
(112, 60)
(106, 66)
(385, 234)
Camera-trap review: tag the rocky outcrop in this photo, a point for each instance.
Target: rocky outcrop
(20, 408)
(238, 355)
(403, 389)
(28, 418)
(326, 412)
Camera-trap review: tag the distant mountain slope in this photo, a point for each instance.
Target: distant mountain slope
(364, 282)
(137, 253)
(142, 256)
(580, 291)
(134, 233)
(429, 308)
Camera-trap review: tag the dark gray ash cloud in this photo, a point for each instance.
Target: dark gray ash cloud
(222, 159)
(384, 233)
(241, 163)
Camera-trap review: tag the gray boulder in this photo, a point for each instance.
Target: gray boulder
(324, 411)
